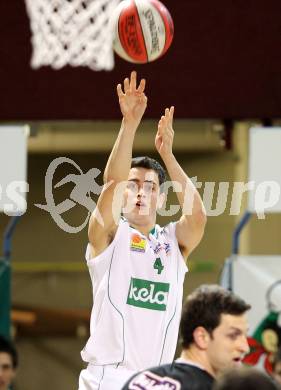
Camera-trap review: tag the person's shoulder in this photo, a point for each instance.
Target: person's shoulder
(197, 378)
(178, 368)
(190, 377)
(171, 376)
(114, 239)
(154, 378)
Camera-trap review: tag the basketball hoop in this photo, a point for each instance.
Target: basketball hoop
(71, 32)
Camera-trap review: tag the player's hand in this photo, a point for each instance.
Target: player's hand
(165, 133)
(133, 100)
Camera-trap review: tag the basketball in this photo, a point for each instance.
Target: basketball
(143, 30)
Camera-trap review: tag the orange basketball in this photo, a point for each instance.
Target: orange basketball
(143, 30)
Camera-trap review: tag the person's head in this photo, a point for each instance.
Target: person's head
(143, 194)
(8, 363)
(276, 366)
(245, 379)
(214, 326)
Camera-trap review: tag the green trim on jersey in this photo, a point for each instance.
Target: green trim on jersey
(169, 323)
(116, 307)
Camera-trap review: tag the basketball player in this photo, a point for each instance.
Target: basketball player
(214, 339)
(137, 267)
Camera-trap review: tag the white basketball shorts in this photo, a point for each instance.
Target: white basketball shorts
(109, 377)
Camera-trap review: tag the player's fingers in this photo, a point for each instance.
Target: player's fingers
(166, 120)
(133, 81)
(172, 110)
(141, 86)
(126, 85)
(162, 125)
(167, 112)
(162, 121)
(119, 90)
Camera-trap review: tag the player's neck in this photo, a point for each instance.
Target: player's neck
(198, 357)
(144, 229)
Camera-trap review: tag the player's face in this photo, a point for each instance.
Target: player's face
(141, 196)
(228, 344)
(7, 371)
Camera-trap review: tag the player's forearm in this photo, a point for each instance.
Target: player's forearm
(187, 194)
(119, 162)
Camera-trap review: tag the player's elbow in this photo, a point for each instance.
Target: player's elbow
(197, 220)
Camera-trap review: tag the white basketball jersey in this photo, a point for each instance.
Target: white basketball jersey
(137, 292)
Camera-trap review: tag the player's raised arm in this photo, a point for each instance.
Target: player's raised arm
(190, 227)
(104, 220)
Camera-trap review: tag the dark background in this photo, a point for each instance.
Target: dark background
(224, 62)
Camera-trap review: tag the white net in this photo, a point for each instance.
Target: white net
(71, 32)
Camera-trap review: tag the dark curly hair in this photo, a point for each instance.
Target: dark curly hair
(204, 308)
(150, 163)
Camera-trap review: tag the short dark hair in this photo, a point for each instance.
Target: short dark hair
(205, 306)
(8, 347)
(245, 378)
(150, 163)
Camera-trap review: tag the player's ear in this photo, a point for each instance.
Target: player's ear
(201, 337)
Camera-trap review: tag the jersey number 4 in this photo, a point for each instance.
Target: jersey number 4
(158, 265)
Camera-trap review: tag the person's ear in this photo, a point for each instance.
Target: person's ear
(201, 337)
